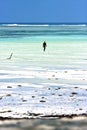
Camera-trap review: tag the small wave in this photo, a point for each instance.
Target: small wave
(12, 25)
(77, 25)
(70, 25)
(9, 25)
(36, 25)
(31, 25)
(42, 25)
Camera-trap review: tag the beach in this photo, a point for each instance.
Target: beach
(76, 123)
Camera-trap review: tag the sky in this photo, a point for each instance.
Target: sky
(43, 11)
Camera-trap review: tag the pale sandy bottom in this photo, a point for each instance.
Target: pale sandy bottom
(37, 84)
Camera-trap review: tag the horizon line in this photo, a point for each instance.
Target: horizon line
(43, 22)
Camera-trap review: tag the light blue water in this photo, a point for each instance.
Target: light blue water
(66, 45)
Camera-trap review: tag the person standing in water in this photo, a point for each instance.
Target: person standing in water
(44, 46)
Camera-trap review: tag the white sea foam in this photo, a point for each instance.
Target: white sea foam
(44, 25)
(72, 25)
(25, 25)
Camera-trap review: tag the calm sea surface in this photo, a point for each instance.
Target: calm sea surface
(66, 45)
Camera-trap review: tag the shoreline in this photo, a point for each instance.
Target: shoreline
(71, 116)
(65, 123)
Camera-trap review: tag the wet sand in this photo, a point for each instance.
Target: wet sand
(72, 123)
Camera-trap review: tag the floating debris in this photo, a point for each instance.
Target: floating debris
(9, 86)
(19, 85)
(43, 97)
(74, 93)
(75, 87)
(33, 96)
(60, 95)
(8, 95)
(80, 109)
(24, 100)
(42, 101)
(0, 98)
(5, 111)
(53, 93)
(56, 88)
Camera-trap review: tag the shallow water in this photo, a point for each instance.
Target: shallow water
(31, 74)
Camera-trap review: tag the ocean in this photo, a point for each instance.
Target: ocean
(66, 44)
(30, 78)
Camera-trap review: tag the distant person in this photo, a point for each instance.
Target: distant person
(44, 46)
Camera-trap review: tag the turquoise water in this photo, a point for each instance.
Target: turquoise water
(66, 45)
(39, 33)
